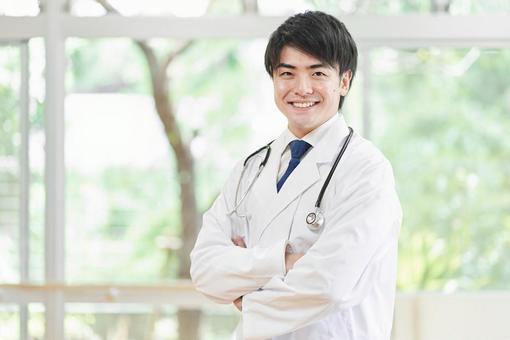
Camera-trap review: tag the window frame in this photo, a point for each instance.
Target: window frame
(55, 26)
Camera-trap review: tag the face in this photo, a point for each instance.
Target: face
(306, 90)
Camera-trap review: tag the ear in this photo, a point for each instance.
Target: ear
(345, 82)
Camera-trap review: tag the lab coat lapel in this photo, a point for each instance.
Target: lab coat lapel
(329, 146)
(303, 177)
(265, 187)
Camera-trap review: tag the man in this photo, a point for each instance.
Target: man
(259, 246)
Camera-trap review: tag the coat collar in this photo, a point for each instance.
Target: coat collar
(303, 177)
(313, 137)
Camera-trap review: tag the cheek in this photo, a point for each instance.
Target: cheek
(280, 89)
(279, 94)
(336, 94)
(333, 91)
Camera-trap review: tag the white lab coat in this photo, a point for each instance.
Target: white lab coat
(343, 288)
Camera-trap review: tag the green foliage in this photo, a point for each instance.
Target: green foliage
(142, 204)
(449, 148)
(143, 208)
(372, 7)
(9, 122)
(450, 172)
(393, 7)
(9, 106)
(106, 66)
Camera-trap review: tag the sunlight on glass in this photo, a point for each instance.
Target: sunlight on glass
(10, 139)
(440, 116)
(191, 8)
(9, 322)
(284, 7)
(122, 189)
(137, 321)
(465, 7)
(97, 141)
(19, 7)
(36, 321)
(9, 163)
(109, 139)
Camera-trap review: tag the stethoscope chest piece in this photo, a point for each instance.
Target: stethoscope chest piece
(315, 220)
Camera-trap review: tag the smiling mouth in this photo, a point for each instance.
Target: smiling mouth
(303, 105)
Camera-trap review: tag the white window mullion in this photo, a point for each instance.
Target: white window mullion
(54, 231)
(398, 31)
(24, 180)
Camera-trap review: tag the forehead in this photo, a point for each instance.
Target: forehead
(295, 57)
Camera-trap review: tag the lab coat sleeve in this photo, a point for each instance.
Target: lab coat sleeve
(338, 270)
(223, 271)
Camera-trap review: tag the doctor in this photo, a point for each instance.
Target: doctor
(300, 267)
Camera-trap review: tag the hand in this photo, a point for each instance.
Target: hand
(239, 303)
(290, 259)
(239, 241)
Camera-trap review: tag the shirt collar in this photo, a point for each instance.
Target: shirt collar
(313, 137)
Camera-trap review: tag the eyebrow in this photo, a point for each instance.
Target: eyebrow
(314, 66)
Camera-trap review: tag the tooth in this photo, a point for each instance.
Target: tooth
(303, 105)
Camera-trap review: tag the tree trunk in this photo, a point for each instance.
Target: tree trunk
(189, 320)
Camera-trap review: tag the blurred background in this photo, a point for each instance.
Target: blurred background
(120, 120)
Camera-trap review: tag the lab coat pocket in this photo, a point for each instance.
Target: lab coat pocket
(301, 237)
(240, 226)
(303, 240)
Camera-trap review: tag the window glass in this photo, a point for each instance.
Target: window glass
(441, 117)
(383, 7)
(460, 7)
(190, 8)
(9, 163)
(36, 321)
(10, 149)
(9, 322)
(134, 321)
(195, 8)
(19, 7)
(123, 202)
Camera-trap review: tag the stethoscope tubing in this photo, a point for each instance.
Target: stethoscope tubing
(315, 219)
(333, 168)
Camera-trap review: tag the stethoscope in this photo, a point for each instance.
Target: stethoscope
(315, 219)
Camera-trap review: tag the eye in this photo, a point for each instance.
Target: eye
(285, 74)
(319, 74)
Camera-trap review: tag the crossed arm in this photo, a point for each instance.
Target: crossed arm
(290, 259)
(337, 271)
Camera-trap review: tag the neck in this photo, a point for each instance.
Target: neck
(300, 133)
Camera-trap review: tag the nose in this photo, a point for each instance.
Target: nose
(303, 86)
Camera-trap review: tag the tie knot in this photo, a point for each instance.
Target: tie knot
(298, 148)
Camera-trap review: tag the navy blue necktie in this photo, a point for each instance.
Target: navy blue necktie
(297, 150)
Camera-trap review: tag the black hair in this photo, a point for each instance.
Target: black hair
(318, 34)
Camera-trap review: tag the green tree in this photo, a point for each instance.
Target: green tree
(446, 137)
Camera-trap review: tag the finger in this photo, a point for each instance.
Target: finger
(239, 241)
(238, 303)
